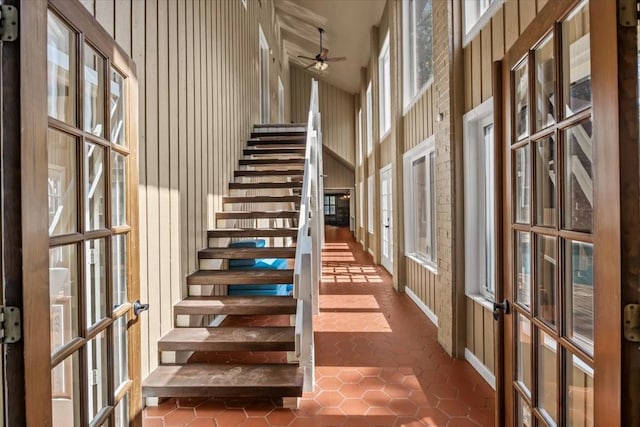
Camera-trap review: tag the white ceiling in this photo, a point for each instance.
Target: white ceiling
(346, 23)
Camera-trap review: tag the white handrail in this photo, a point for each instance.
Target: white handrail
(308, 263)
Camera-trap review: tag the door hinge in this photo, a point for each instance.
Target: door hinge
(8, 23)
(10, 325)
(628, 12)
(631, 319)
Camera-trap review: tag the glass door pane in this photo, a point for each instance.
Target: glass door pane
(61, 70)
(62, 183)
(93, 92)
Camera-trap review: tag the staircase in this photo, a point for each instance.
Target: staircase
(264, 203)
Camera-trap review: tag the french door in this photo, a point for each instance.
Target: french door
(386, 219)
(84, 178)
(560, 264)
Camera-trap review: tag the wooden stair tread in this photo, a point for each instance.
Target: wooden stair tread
(238, 305)
(249, 162)
(196, 379)
(279, 150)
(271, 338)
(257, 214)
(279, 134)
(240, 277)
(245, 253)
(269, 172)
(252, 232)
(261, 199)
(246, 185)
(279, 125)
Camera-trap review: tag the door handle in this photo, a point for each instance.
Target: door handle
(500, 307)
(139, 307)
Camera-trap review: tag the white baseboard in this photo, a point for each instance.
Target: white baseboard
(422, 306)
(479, 366)
(371, 252)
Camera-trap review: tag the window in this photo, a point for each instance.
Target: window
(480, 210)
(384, 74)
(420, 207)
(369, 121)
(476, 14)
(370, 198)
(417, 42)
(360, 137)
(330, 205)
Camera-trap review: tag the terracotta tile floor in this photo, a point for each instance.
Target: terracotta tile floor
(378, 363)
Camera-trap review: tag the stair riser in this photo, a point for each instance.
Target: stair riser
(238, 346)
(271, 162)
(271, 241)
(222, 392)
(274, 133)
(234, 311)
(265, 173)
(258, 215)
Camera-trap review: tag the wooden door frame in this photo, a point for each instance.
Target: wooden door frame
(607, 221)
(24, 185)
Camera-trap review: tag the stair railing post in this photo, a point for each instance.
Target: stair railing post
(307, 345)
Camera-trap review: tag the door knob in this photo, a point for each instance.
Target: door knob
(500, 307)
(139, 307)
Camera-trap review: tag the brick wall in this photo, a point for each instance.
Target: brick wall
(445, 197)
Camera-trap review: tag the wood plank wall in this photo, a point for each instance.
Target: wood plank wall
(337, 174)
(198, 74)
(336, 108)
(490, 45)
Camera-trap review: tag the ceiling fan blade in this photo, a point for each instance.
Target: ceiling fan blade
(324, 52)
(309, 66)
(306, 57)
(338, 59)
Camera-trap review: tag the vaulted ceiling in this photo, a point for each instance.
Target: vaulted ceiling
(346, 23)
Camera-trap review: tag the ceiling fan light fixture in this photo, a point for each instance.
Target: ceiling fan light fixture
(321, 66)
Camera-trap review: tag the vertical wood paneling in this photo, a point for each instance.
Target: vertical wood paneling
(336, 109)
(511, 23)
(468, 83)
(105, 14)
(139, 55)
(488, 340)
(151, 156)
(469, 331)
(497, 34)
(487, 55)
(478, 330)
(164, 208)
(527, 13)
(476, 72)
(541, 4)
(198, 97)
(123, 24)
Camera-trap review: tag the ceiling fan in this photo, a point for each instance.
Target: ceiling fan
(321, 61)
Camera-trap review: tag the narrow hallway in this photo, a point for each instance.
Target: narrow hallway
(378, 362)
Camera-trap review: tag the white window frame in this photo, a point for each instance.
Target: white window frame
(359, 136)
(480, 227)
(369, 101)
(361, 205)
(476, 15)
(424, 149)
(384, 88)
(370, 198)
(411, 93)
